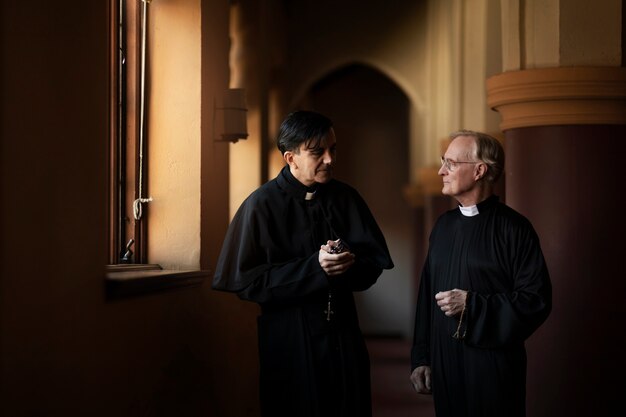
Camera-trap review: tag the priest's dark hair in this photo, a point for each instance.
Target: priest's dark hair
(302, 126)
(488, 150)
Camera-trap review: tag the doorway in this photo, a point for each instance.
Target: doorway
(371, 118)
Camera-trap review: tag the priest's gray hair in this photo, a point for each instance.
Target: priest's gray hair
(488, 150)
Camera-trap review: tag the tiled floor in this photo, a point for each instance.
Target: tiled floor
(392, 392)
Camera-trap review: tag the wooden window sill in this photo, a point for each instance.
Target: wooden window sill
(130, 280)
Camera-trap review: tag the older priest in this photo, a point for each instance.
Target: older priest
(484, 290)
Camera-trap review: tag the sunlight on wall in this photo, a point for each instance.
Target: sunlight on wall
(245, 165)
(174, 134)
(244, 159)
(550, 33)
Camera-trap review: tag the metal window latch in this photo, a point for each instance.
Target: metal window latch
(127, 258)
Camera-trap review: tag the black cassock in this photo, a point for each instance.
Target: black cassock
(496, 257)
(313, 360)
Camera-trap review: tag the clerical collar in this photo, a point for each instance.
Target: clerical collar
(295, 187)
(469, 211)
(310, 192)
(483, 206)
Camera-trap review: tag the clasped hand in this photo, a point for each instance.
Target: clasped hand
(451, 302)
(334, 263)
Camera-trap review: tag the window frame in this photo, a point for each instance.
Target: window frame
(134, 277)
(124, 148)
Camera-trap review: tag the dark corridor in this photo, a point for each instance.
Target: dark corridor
(392, 393)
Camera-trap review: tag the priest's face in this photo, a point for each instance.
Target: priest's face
(312, 165)
(458, 168)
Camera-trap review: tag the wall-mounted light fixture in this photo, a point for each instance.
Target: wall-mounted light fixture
(230, 116)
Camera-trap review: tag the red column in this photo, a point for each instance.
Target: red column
(565, 141)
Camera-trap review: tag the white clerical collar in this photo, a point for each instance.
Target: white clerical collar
(469, 211)
(310, 196)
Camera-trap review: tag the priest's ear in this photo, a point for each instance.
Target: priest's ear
(481, 171)
(288, 156)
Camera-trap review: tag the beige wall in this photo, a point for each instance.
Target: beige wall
(549, 33)
(173, 127)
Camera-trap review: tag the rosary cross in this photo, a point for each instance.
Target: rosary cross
(328, 310)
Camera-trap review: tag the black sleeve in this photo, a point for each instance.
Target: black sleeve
(287, 282)
(245, 268)
(498, 320)
(361, 276)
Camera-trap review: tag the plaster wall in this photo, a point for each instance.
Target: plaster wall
(549, 33)
(173, 109)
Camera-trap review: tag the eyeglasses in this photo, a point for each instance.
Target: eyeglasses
(452, 165)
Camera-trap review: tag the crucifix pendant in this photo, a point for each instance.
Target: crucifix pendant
(328, 310)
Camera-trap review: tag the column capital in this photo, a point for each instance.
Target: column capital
(559, 96)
